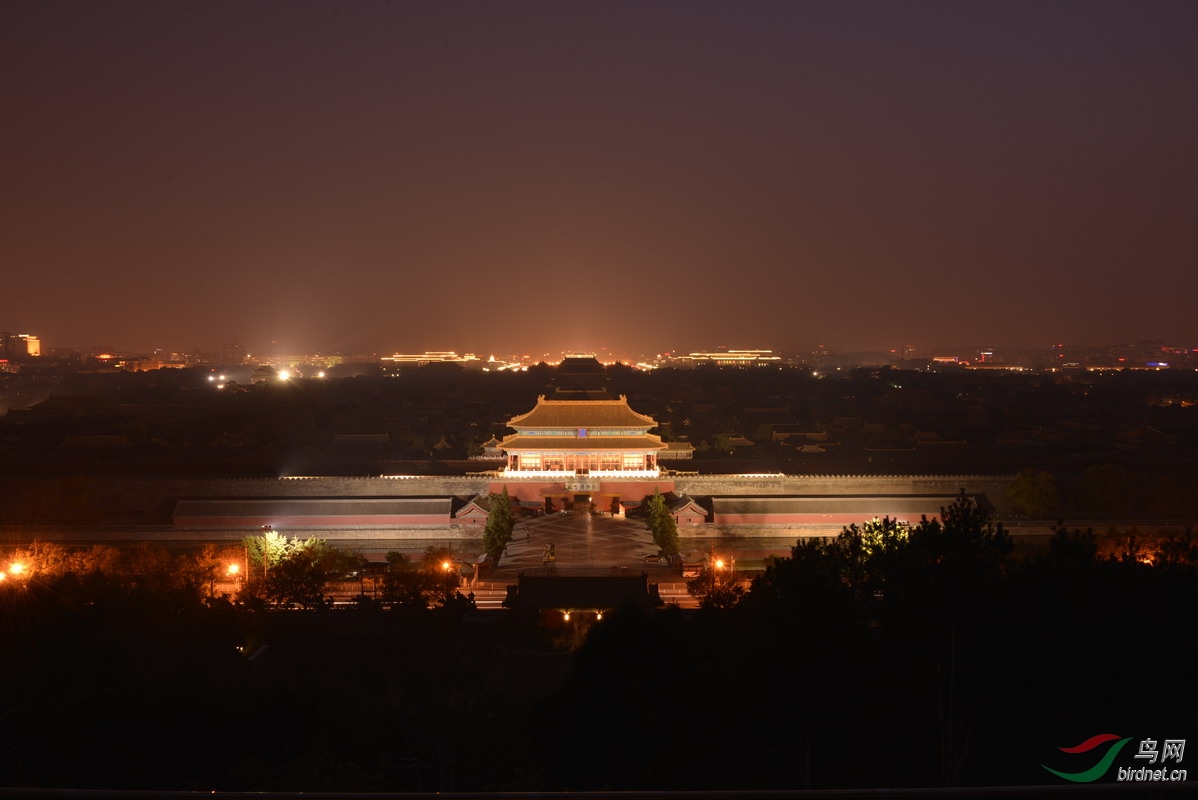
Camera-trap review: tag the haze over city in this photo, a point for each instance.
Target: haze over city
(319, 476)
(534, 177)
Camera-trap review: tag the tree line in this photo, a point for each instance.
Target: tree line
(888, 656)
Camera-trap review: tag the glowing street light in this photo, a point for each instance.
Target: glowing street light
(15, 570)
(233, 573)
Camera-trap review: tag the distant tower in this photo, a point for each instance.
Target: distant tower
(233, 353)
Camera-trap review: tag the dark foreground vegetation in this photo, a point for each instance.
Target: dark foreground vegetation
(886, 657)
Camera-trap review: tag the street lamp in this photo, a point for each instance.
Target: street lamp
(233, 573)
(16, 571)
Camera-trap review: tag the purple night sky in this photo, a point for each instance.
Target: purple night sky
(503, 177)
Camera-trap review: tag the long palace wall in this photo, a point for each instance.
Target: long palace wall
(151, 501)
(993, 486)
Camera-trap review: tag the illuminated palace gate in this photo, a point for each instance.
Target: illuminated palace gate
(596, 452)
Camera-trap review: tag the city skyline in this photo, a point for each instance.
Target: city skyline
(532, 177)
(1142, 353)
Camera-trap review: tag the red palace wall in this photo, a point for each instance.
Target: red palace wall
(809, 519)
(346, 521)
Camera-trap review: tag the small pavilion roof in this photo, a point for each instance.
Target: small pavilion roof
(682, 501)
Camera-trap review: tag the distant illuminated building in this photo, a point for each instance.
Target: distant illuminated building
(18, 347)
(298, 364)
(732, 358)
(394, 362)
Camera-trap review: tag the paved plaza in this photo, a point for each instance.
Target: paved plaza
(582, 544)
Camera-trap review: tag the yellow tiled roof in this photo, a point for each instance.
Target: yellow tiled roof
(588, 443)
(582, 414)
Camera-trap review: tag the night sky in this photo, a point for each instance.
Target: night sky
(512, 177)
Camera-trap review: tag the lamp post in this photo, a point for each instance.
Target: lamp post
(266, 531)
